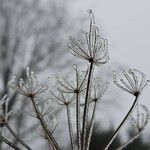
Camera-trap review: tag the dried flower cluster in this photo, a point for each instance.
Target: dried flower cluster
(96, 49)
(82, 90)
(28, 88)
(136, 81)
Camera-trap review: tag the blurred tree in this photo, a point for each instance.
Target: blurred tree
(31, 34)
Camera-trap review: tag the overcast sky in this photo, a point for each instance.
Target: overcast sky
(127, 26)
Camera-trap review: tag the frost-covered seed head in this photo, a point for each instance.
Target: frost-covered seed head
(98, 89)
(65, 84)
(30, 87)
(142, 117)
(63, 98)
(96, 49)
(134, 83)
(44, 105)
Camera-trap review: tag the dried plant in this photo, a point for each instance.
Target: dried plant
(79, 90)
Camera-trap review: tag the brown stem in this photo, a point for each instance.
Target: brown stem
(122, 123)
(44, 126)
(86, 107)
(17, 138)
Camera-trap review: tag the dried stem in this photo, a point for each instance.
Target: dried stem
(91, 126)
(122, 123)
(70, 127)
(44, 126)
(86, 107)
(129, 141)
(17, 137)
(9, 143)
(78, 121)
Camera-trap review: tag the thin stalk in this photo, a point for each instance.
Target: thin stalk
(122, 123)
(78, 121)
(9, 143)
(129, 141)
(91, 126)
(44, 126)
(86, 107)
(70, 127)
(49, 145)
(17, 137)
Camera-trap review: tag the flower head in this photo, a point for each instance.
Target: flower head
(4, 113)
(98, 89)
(63, 98)
(30, 87)
(142, 117)
(66, 85)
(44, 105)
(96, 50)
(135, 81)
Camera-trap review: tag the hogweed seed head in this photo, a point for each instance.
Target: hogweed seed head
(67, 85)
(98, 89)
(44, 105)
(96, 50)
(30, 87)
(142, 117)
(63, 98)
(135, 81)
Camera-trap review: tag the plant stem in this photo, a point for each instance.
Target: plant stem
(122, 123)
(86, 107)
(17, 138)
(78, 121)
(129, 141)
(44, 126)
(9, 143)
(91, 126)
(70, 127)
